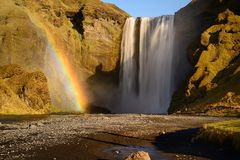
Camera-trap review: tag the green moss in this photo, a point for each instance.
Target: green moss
(228, 126)
(58, 110)
(22, 92)
(213, 87)
(223, 131)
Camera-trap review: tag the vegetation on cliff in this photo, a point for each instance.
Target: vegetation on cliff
(23, 92)
(213, 86)
(222, 132)
(88, 32)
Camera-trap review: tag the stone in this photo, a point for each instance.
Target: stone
(40, 124)
(32, 126)
(140, 155)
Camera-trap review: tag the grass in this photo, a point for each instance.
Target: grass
(232, 126)
(227, 132)
(67, 110)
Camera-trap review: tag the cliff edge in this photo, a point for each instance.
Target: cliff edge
(212, 87)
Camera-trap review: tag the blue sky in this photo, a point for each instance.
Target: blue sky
(149, 8)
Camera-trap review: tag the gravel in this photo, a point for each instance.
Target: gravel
(18, 140)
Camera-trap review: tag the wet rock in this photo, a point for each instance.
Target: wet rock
(140, 155)
(117, 152)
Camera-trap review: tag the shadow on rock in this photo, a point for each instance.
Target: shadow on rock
(97, 110)
(103, 88)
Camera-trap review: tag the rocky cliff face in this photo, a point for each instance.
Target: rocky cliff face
(102, 30)
(213, 41)
(88, 32)
(22, 92)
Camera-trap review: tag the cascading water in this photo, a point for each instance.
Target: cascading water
(146, 65)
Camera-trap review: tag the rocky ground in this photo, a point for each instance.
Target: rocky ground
(91, 137)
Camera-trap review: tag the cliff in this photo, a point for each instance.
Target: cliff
(87, 32)
(212, 45)
(35, 33)
(22, 92)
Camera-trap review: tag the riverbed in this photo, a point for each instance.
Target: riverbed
(107, 137)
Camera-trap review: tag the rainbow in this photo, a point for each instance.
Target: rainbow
(66, 67)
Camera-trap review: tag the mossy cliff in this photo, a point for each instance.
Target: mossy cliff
(22, 92)
(88, 32)
(212, 87)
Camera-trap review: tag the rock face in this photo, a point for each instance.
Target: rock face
(102, 30)
(212, 87)
(22, 92)
(87, 32)
(21, 41)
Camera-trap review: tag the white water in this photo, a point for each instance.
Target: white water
(147, 50)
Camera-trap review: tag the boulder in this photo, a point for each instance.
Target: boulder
(140, 155)
(23, 92)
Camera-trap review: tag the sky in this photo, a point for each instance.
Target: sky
(149, 8)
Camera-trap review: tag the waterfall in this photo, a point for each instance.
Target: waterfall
(147, 49)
